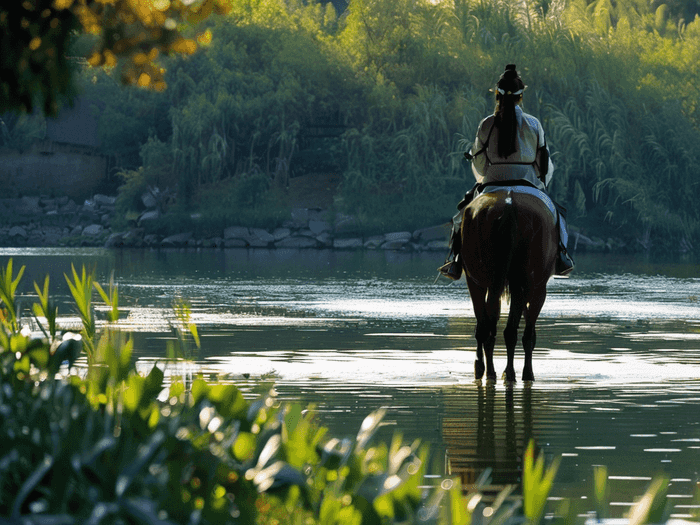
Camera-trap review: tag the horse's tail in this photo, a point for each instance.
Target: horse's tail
(506, 230)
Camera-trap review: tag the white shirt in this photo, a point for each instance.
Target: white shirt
(487, 166)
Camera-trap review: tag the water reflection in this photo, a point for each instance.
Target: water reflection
(491, 431)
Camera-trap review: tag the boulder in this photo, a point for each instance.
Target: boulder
(325, 239)
(17, 231)
(437, 245)
(398, 244)
(318, 227)
(151, 239)
(115, 240)
(374, 242)
(398, 236)
(281, 233)
(432, 233)
(104, 200)
(260, 235)
(179, 239)
(149, 215)
(77, 230)
(235, 243)
(93, 230)
(29, 206)
(347, 244)
(236, 232)
(148, 200)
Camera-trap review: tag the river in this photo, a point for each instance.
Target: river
(617, 364)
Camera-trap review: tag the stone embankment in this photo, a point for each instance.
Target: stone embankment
(41, 221)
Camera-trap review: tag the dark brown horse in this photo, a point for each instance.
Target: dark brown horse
(509, 244)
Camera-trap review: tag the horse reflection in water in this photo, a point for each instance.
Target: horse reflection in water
(509, 244)
(492, 437)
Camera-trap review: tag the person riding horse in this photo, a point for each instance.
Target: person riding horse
(509, 149)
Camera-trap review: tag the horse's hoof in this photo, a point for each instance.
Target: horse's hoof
(479, 369)
(509, 377)
(491, 378)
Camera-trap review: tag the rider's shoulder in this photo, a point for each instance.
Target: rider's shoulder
(532, 120)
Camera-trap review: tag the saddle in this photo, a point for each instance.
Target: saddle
(516, 186)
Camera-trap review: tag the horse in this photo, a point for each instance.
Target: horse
(509, 246)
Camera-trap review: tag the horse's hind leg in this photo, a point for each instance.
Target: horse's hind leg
(532, 312)
(510, 334)
(486, 331)
(478, 296)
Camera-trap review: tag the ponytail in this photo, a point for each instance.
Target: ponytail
(509, 92)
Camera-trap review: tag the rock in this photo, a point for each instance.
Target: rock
(318, 227)
(398, 244)
(347, 244)
(297, 242)
(17, 231)
(235, 243)
(104, 200)
(398, 236)
(151, 239)
(69, 207)
(77, 230)
(236, 232)
(90, 206)
(93, 230)
(433, 233)
(374, 242)
(115, 240)
(148, 200)
(149, 215)
(262, 236)
(438, 245)
(179, 239)
(29, 206)
(325, 240)
(281, 233)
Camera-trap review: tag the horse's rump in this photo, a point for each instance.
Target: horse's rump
(508, 238)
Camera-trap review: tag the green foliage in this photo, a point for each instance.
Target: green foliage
(81, 290)
(537, 483)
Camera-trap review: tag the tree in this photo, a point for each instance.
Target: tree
(36, 38)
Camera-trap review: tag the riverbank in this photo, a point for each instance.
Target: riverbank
(48, 222)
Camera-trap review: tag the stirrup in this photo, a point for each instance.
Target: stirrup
(565, 264)
(451, 270)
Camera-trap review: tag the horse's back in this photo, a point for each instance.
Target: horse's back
(511, 235)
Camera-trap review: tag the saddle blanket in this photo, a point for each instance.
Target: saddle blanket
(524, 189)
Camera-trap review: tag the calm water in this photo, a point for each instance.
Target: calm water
(617, 365)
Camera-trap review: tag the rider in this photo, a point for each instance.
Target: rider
(509, 146)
